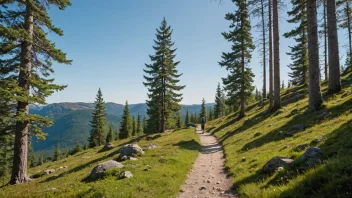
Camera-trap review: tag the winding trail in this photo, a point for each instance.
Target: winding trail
(207, 177)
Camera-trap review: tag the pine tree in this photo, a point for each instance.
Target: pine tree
(78, 147)
(179, 123)
(24, 28)
(116, 134)
(276, 41)
(126, 124)
(218, 102)
(315, 97)
(333, 45)
(145, 125)
(187, 119)
(238, 83)
(289, 84)
(32, 158)
(271, 66)
(211, 114)
(203, 111)
(134, 126)
(109, 136)
(139, 125)
(98, 123)
(41, 159)
(258, 10)
(299, 52)
(283, 85)
(161, 80)
(345, 14)
(57, 154)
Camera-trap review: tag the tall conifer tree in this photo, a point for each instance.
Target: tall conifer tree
(139, 125)
(109, 136)
(57, 153)
(134, 126)
(299, 52)
(187, 118)
(211, 114)
(26, 57)
(162, 78)
(238, 83)
(126, 123)
(218, 102)
(203, 110)
(98, 123)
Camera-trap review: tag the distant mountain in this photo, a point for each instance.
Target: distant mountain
(72, 122)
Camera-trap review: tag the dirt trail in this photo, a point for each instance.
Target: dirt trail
(207, 177)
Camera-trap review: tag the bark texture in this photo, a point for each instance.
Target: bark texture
(315, 97)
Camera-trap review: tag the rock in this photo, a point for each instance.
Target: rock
(301, 147)
(50, 189)
(126, 174)
(49, 171)
(243, 159)
(108, 146)
(349, 91)
(275, 163)
(295, 129)
(149, 146)
(311, 156)
(131, 150)
(319, 139)
(217, 182)
(124, 158)
(219, 189)
(203, 188)
(208, 181)
(63, 167)
(99, 170)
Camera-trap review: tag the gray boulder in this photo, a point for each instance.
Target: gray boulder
(99, 170)
(149, 146)
(108, 146)
(126, 174)
(312, 156)
(301, 147)
(49, 171)
(124, 158)
(275, 163)
(131, 150)
(295, 129)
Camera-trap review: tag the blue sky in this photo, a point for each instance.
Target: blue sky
(110, 41)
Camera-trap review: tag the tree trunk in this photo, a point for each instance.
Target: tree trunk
(264, 52)
(349, 30)
(241, 113)
(325, 44)
(315, 97)
(271, 68)
(277, 102)
(19, 169)
(334, 62)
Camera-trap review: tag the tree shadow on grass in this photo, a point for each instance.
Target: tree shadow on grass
(307, 119)
(260, 117)
(332, 179)
(189, 145)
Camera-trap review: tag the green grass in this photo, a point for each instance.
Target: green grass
(260, 136)
(170, 163)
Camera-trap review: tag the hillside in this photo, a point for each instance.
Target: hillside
(71, 122)
(168, 167)
(252, 141)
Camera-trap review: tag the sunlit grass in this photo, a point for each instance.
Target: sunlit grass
(170, 163)
(255, 139)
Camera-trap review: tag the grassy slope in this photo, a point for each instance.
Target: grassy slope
(170, 163)
(259, 137)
